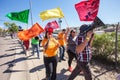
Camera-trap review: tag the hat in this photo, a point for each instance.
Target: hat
(49, 30)
(84, 28)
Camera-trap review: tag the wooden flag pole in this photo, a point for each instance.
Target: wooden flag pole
(66, 22)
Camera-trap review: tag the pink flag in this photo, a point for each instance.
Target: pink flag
(87, 10)
(52, 24)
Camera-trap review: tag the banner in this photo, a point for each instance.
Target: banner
(52, 13)
(35, 30)
(52, 24)
(87, 10)
(19, 16)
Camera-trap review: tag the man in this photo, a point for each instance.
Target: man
(35, 45)
(83, 52)
(62, 37)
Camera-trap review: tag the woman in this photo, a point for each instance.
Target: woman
(50, 46)
(71, 48)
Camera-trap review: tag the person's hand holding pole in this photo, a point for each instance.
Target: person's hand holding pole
(81, 47)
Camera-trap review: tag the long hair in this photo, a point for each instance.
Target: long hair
(71, 32)
(46, 35)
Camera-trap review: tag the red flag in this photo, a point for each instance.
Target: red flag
(87, 10)
(52, 24)
(35, 30)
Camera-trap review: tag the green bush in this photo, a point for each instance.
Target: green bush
(104, 47)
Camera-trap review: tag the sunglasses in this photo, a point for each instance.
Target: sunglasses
(73, 32)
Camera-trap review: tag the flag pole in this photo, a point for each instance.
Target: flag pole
(66, 22)
(31, 12)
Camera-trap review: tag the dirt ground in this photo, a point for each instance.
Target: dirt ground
(104, 72)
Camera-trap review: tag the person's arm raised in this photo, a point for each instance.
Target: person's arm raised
(67, 31)
(81, 47)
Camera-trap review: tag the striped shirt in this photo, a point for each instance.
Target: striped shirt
(85, 55)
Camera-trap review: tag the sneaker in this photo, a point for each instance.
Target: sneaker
(63, 59)
(60, 60)
(70, 69)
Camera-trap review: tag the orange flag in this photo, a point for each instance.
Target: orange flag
(35, 30)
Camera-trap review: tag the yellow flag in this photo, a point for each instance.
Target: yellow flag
(52, 13)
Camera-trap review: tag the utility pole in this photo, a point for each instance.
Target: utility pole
(60, 21)
(31, 11)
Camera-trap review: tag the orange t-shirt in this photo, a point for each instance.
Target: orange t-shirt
(61, 39)
(51, 48)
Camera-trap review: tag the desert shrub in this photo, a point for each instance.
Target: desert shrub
(104, 47)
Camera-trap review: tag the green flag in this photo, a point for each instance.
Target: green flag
(21, 16)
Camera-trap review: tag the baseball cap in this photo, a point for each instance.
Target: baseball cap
(49, 30)
(84, 28)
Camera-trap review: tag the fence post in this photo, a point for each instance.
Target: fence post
(116, 45)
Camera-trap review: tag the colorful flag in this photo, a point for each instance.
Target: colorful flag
(52, 24)
(21, 16)
(52, 13)
(35, 30)
(87, 10)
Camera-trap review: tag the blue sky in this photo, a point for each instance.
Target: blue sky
(109, 11)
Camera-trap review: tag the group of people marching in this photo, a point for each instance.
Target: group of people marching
(77, 46)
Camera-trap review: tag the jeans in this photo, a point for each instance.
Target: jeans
(81, 66)
(62, 52)
(51, 67)
(35, 46)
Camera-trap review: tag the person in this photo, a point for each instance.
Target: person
(71, 45)
(118, 77)
(35, 45)
(62, 40)
(11, 34)
(26, 44)
(50, 46)
(40, 38)
(83, 50)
